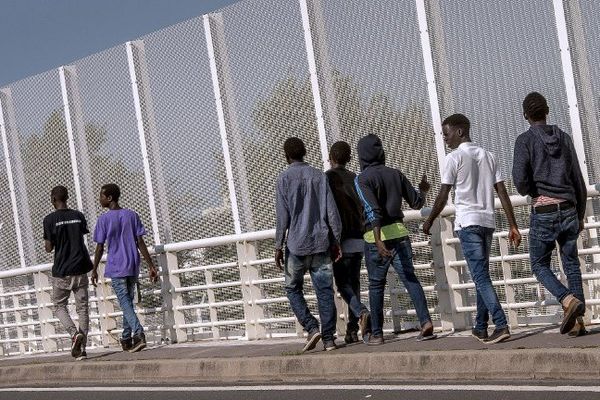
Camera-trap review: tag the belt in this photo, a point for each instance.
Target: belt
(565, 205)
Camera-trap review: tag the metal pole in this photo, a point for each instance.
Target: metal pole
(11, 184)
(142, 135)
(222, 127)
(314, 80)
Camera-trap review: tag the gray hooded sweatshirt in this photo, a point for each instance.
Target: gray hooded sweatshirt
(545, 163)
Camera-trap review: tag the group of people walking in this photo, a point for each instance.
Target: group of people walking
(123, 232)
(327, 221)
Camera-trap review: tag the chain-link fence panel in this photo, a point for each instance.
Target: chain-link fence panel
(9, 251)
(488, 56)
(113, 144)
(378, 79)
(187, 131)
(44, 151)
(584, 39)
(266, 90)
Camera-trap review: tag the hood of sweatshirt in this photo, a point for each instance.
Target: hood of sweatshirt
(551, 136)
(370, 151)
(473, 151)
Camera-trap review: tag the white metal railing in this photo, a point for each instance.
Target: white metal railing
(448, 291)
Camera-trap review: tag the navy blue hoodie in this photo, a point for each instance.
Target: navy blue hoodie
(545, 163)
(381, 188)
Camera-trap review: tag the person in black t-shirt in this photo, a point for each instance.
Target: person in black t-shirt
(63, 232)
(346, 271)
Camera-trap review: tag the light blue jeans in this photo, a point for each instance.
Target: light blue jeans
(125, 290)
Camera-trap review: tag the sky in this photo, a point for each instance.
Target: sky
(38, 35)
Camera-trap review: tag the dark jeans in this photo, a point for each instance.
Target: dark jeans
(347, 279)
(377, 267)
(476, 242)
(544, 232)
(321, 275)
(125, 290)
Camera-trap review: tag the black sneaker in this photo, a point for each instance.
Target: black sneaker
(83, 356)
(351, 337)
(76, 343)
(312, 340)
(329, 345)
(126, 344)
(480, 335)
(498, 335)
(139, 342)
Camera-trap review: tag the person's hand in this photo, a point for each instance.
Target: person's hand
(514, 236)
(153, 274)
(279, 258)
(94, 278)
(424, 186)
(382, 250)
(581, 225)
(336, 252)
(427, 226)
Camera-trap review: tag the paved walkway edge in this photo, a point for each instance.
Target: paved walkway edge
(550, 364)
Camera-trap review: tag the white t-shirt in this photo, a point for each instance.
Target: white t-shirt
(473, 172)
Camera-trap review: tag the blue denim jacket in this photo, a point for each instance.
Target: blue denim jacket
(306, 211)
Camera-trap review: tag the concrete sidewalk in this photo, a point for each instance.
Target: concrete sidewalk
(529, 354)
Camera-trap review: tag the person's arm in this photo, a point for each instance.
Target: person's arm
(97, 257)
(414, 198)
(514, 236)
(334, 221)
(521, 172)
(367, 196)
(48, 246)
(144, 251)
(282, 217)
(438, 206)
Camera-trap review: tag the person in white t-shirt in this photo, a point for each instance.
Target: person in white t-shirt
(474, 174)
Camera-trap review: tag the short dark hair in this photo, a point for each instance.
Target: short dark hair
(294, 148)
(458, 121)
(535, 106)
(340, 152)
(112, 190)
(60, 193)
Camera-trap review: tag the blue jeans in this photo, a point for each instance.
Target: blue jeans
(125, 290)
(545, 230)
(476, 242)
(377, 267)
(347, 279)
(321, 274)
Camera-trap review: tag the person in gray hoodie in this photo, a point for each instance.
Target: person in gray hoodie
(545, 167)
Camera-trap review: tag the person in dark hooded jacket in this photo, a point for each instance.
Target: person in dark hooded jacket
(382, 189)
(545, 167)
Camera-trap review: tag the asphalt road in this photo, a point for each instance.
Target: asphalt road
(467, 391)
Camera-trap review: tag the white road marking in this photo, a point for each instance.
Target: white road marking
(431, 388)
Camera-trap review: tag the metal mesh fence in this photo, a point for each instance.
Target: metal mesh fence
(9, 252)
(188, 132)
(113, 143)
(267, 94)
(44, 151)
(486, 68)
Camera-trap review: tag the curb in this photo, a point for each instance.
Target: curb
(550, 364)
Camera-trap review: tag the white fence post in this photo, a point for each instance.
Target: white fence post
(174, 318)
(507, 274)
(250, 291)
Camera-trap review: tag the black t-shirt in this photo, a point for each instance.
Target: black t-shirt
(65, 229)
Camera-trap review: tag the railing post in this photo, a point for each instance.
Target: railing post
(18, 320)
(212, 311)
(443, 253)
(508, 289)
(42, 282)
(105, 310)
(251, 292)
(173, 317)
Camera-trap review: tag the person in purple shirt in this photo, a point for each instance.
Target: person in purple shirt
(123, 232)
